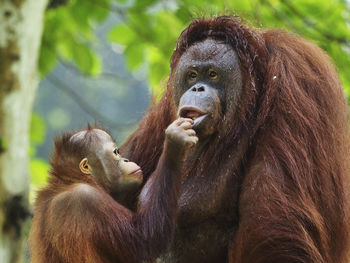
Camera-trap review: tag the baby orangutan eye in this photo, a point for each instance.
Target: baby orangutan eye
(116, 151)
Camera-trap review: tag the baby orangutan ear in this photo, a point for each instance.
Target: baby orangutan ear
(84, 166)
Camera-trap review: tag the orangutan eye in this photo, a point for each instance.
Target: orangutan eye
(116, 151)
(192, 74)
(213, 74)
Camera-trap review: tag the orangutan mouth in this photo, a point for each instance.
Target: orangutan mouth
(190, 112)
(193, 113)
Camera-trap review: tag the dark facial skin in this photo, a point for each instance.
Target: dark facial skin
(207, 76)
(117, 175)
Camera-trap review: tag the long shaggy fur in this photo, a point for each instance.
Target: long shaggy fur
(291, 123)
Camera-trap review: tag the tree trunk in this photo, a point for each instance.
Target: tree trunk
(21, 23)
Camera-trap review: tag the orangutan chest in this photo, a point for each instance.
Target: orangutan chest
(203, 242)
(205, 197)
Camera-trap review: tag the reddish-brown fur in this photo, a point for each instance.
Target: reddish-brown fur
(77, 220)
(287, 148)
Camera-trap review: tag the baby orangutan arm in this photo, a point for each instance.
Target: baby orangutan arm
(85, 224)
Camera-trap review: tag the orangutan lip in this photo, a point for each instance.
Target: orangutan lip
(137, 171)
(198, 120)
(190, 112)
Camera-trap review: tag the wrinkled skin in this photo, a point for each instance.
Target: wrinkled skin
(207, 77)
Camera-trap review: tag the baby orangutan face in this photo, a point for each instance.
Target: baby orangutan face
(104, 164)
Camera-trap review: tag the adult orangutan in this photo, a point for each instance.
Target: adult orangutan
(77, 215)
(267, 181)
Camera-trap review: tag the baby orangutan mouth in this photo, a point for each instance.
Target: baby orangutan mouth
(137, 171)
(137, 174)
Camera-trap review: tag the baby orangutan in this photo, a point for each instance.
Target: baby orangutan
(76, 217)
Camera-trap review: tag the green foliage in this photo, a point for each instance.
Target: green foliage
(68, 34)
(150, 28)
(38, 172)
(141, 5)
(38, 167)
(122, 34)
(37, 130)
(146, 38)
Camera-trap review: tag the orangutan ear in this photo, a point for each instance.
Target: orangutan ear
(84, 166)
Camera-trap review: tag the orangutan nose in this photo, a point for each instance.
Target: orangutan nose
(198, 88)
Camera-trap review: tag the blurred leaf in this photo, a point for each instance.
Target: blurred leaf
(81, 11)
(134, 54)
(163, 35)
(159, 68)
(141, 5)
(183, 14)
(37, 130)
(122, 34)
(86, 11)
(47, 60)
(121, 1)
(87, 61)
(69, 32)
(32, 151)
(39, 170)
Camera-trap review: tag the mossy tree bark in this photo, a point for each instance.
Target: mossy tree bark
(21, 23)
